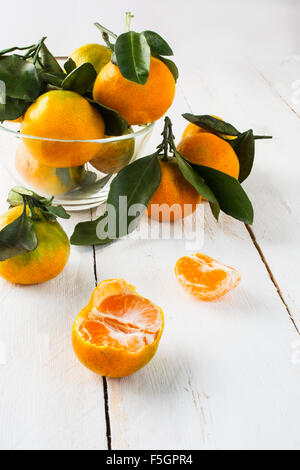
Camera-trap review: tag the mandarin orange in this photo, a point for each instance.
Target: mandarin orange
(175, 197)
(209, 150)
(118, 332)
(138, 104)
(62, 114)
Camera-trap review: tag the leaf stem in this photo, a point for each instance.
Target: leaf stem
(257, 137)
(38, 48)
(105, 30)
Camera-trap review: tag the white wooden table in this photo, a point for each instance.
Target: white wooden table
(227, 374)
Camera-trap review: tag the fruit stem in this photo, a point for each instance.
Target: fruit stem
(168, 144)
(128, 17)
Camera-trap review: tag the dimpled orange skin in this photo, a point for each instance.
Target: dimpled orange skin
(138, 104)
(173, 189)
(42, 264)
(46, 178)
(209, 150)
(205, 278)
(113, 156)
(111, 360)
(61, 114)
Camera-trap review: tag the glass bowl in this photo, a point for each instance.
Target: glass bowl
(76, 188)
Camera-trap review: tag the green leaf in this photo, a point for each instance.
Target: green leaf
(56, 211)
(69, 65)
(244, 147)
(17, 238)
(133, 56)
(138, 183)
(55, 79)
(194, 179)
(85, 233)
(212, 124)
(13, 109)
(215, 208)
(171, 66)
(20, 77)
(16, 48)
(115, 124)
(15, 198)
(48, 61)
(229, 193)
(90, 177)
(157, 44)
(88, 189)
(80, 79)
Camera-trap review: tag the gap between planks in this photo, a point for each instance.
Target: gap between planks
(104, 380)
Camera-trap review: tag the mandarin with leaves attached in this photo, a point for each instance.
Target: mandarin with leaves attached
(46, 261)
(137, 103)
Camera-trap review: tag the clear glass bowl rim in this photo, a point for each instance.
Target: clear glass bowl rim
(138, 133)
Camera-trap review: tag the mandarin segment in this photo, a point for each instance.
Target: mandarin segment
(204, 277)
(118, 332)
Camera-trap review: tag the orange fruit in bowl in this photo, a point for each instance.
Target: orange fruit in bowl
(204, 277)
(175, 197)
(138, 104)
(47, 179)
(62, 114)
(46, 261)
(113, 156)
(96, 54)
(209, 150)
(118, 332)
(192, 129)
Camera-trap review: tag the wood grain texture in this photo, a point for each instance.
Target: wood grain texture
(223, 377)
(48, 400)
(247, 97)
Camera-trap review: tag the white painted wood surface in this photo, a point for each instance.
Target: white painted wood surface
(224, 375)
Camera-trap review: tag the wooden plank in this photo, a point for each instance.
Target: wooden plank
(223, 376)
(239, 92)
(48, 400)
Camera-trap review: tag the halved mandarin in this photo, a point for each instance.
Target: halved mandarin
(118, 332)
(205, 277)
